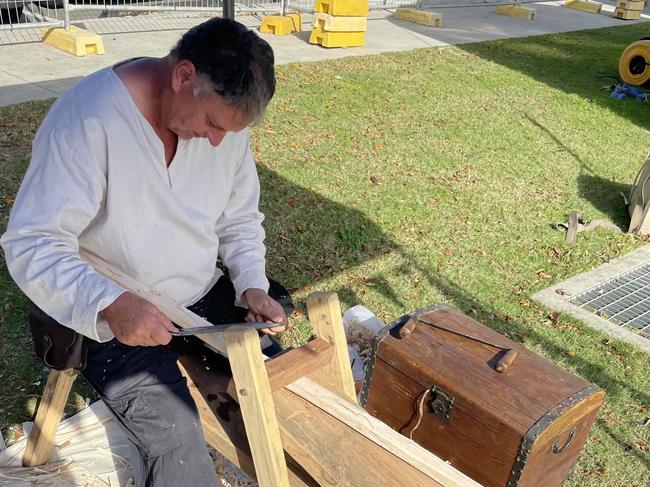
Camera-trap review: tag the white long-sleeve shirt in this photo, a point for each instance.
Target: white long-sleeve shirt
(98, 180)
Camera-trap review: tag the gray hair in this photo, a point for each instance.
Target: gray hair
(232, 62)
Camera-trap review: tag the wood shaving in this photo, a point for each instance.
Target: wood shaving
(229, 474)
(64, 473)
(360, 338)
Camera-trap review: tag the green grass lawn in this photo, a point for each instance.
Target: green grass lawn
(405, 179)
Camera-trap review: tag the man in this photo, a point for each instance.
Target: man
(147, 164)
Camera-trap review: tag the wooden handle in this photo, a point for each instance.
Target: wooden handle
(506, 361)
(409, 327)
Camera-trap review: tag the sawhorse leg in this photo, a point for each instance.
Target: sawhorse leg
(50, 409)
(256, 403)
(324, 313)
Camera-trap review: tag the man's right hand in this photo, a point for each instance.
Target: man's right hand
(134, 321)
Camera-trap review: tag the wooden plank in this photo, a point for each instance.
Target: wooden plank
(335, 454)
(50, 409)
(380, 434)
(324, 313)
(289, 406)
(294, 364)
(258, 411)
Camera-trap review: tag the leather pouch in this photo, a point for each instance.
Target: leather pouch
(57, 346)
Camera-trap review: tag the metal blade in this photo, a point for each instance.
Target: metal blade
(219, 328)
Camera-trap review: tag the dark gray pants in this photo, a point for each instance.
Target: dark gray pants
(145, 390)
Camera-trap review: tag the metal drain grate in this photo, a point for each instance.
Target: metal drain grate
(624, 299)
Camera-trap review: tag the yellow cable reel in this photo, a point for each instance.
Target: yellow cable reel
(634, 65)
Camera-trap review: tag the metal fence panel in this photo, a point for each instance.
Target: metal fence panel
(117, 16)
(308, 5)
(27, 14)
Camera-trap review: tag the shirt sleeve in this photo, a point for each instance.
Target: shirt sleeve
(61, 194)
(240, 231)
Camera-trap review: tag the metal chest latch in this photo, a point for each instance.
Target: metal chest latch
(441, 403)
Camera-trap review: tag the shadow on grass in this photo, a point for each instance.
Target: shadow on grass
(298, 220)
(625, 445)
(579, 63)
(605, 195)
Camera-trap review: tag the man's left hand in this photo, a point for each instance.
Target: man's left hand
(263, 308)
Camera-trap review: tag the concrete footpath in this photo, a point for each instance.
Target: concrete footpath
(32, 70)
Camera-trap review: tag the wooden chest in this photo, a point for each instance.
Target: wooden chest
(522, 427)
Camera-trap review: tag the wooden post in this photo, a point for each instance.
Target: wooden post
(50, 409)
(324, 313)
(256, 402)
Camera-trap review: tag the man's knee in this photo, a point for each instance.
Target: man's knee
(161, 418)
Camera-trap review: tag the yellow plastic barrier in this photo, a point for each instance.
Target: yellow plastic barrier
(516, 11)
(331, 23)
(337, 39)
(423, 17)
(584, 6)
(631, 4)
(280, 25)
(634, 63)
(620, 13)
(75, 41)
(351, 8)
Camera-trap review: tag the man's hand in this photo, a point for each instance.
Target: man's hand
(262, 307)
(135, 321)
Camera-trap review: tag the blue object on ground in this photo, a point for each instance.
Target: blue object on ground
(623, 90)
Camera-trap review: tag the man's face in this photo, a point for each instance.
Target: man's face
(202, 115)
